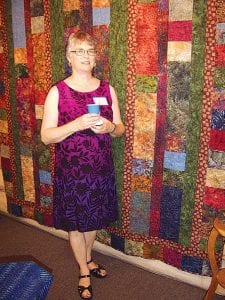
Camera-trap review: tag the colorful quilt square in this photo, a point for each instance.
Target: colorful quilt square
(146, 84)
(220, 11)
(139, 215)
(26, 149)
(20, 55)
(48, 219)
(220, 55)
(216, 159)
(71, 5)
(100, 3)
(4, 150)
(141, 183)
(178, 11)
(71, 18)
(3, 114)
(170, 208)
(191, 264)
(2, 88)
(37, 8)
(37, 25)
(28, 178)
(147, 39)
(18, 24)
(104, 237)
(220, 33)
(117, 242)
(217, 140)
(179, 51)
(174, 161)
(45, 201)
(28, 211)
(21, 71)
(218, 119)
(133, 248)
(180, 31)
(101, 16)
(145, 124)
(142, 167)
(215, 178)
(219, 99)
(15, 210)
(214, 197)
(153, 251)
(173, 178)
(172, 257)
(45, 177)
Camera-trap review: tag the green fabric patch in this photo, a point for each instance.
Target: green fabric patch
(71, 18)
(194, 126)
(3, 114)
(173, 178)
(57, 43)
(118, 73)
(21, 71)
(146, 84)
(219, 77)
(39, 217)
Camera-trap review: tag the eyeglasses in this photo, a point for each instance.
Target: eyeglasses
(81, 52)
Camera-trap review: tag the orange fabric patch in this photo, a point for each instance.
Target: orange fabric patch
(20, 55)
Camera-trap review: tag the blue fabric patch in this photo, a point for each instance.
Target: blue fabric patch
(45, 177)
(174, 160)
(139, 216)
(18, 25)
(191, 264)
(170, 213)
(2, 88)
(117, 242)
(16, 210)
(142, 167)
(101, 16)
(218, 119)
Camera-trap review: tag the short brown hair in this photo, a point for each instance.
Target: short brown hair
(79, 36)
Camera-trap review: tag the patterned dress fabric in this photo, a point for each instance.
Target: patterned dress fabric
(84, 186)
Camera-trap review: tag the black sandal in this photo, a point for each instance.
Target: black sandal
(82, 288)
(96, 272)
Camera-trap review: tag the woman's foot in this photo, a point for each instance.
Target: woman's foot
(84, 287)
(96, 270)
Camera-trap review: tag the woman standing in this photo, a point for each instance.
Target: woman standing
(84, 185)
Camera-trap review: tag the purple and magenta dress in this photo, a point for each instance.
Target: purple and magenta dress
(85, 196)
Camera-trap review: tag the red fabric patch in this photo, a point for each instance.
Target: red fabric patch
(217, 140)
(220, 55)
(147, 39)
(172, 257)
(180, 31)
(214, 197)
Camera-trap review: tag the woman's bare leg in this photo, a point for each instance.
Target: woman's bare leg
(90, 238)
(78, 244)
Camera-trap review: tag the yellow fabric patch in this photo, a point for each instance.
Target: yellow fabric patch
(179, 51)
(100, 3)
(134, 248)
(3, 126)
(141, 183)
(37, 24)
(215, 178)
(145, 122)
(20, 55)
(39, 110)
(180, 10)
(69, 5)
(28, 178)
(4, 150)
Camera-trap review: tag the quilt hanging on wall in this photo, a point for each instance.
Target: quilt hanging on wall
(166, 61)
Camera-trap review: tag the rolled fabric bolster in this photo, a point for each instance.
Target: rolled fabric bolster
(113, 128)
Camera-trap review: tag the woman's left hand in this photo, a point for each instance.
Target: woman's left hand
(106, 127)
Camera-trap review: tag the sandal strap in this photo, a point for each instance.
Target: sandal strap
(90, 261)
(85, 276)
(82, 288)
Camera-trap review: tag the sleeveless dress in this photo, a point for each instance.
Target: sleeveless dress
(85, 196)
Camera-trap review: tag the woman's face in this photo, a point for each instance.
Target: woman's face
(82, 56)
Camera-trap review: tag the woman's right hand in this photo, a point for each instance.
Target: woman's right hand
(86, 121)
